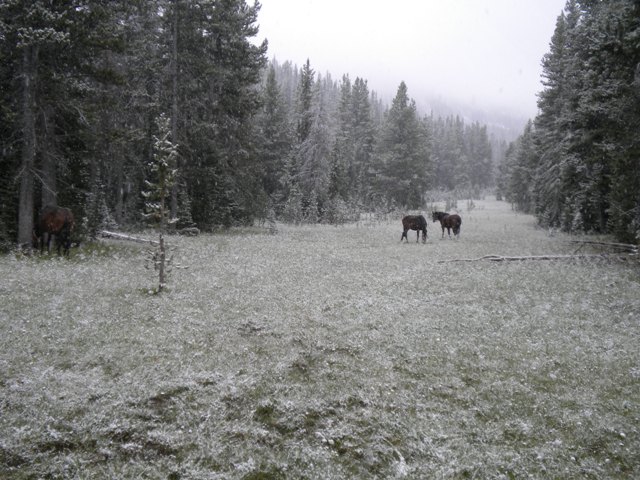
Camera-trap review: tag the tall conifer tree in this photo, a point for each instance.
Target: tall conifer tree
(402, 154)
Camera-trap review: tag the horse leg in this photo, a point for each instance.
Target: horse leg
(404, 235)
(67, 244)
(56, 244)
(417, 236)
(59, 242)
(65, 239)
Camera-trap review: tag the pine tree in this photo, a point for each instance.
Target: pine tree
(314, 153)
(304, 114)
(309, 167)
(163, 172)
(362, 133)
(620, 77)
(343, 153)
(521, 167)
(28, 30)
(480, 167)
(607, 112)
(450, 153)
(220, 100)
(586, 179)
(57, 53)
(402, 154)
(273, 125)
(163, 175)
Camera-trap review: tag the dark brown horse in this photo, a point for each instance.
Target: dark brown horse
(417, 223)
(448, 221)
(56, 221)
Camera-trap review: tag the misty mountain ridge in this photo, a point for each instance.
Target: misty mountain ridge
(502, 123)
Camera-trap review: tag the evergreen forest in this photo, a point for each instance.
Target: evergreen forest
(576, 166)
(94, 91)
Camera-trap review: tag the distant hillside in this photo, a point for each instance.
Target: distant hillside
(501, 124)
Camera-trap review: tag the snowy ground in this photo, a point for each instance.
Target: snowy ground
(323, 352)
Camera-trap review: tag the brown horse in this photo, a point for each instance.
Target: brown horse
(448, 221)
(417, 223)
(56, 221)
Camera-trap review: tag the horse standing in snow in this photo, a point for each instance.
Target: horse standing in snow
(56, 221)
(417, 223)
(448, 221)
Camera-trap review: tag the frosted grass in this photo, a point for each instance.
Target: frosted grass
(323, 352)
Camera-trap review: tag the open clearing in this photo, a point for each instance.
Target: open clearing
(323, 352)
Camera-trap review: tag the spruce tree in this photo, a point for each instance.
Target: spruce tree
(223, 67)
(162, 174)
(402, 154)
(275, 140)
(304, 113)
(363, 135)
(343, 153)
(314, 154)
(586, 178)
(620, 80)
(522, 160)
(480, 166)
(57, 53)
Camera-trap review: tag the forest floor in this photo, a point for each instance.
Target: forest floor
(323, 352)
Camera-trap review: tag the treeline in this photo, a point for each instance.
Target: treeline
(333, 148)
(577, 165)
(88, 85)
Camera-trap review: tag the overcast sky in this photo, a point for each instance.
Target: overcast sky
(485, 53)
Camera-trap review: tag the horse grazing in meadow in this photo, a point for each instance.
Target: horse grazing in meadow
(448, 221)
(56, 221)
(417, 223)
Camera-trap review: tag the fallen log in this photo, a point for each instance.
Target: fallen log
(500, 258)
(122, 236)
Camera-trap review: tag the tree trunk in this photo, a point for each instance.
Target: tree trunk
(49, 177)
(174, 104)
(161, 263)
(120, 194)
(25, 206)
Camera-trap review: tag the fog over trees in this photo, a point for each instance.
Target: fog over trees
(84, 85)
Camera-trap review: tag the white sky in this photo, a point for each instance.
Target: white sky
(485, 53)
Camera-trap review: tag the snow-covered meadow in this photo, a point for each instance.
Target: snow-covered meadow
(323, 352)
